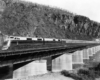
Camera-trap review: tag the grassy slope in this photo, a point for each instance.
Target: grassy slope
(28, 19)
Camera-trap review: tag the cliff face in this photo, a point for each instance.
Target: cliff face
(28, 19)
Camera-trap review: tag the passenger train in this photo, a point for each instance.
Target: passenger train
(19, 43)
(7, 41)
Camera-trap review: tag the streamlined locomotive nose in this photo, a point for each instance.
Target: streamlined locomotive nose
(1, 40)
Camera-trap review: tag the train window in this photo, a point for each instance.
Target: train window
(59, 40)
(39, 39)
(54, 40)
(29, 38)
(11, 37)
(17, 38)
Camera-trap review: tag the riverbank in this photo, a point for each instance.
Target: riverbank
(47, 76)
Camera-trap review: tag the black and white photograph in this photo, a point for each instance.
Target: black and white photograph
(49, 39)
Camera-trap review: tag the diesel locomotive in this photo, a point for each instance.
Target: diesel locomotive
(17, 42)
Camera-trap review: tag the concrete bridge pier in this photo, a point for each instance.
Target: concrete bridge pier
(59, 63)
(6, 72)
(62, 62)
(49, 64)
(28, 69)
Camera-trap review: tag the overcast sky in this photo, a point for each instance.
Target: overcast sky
(89, 8)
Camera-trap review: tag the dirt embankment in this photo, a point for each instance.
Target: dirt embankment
(28, 19)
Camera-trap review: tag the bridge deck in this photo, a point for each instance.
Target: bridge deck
(40, 51)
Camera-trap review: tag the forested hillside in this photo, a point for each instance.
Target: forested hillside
(29, 19)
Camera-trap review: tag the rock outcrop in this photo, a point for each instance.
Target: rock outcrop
(28, 19)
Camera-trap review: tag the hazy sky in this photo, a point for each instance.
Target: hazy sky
(89, 8)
